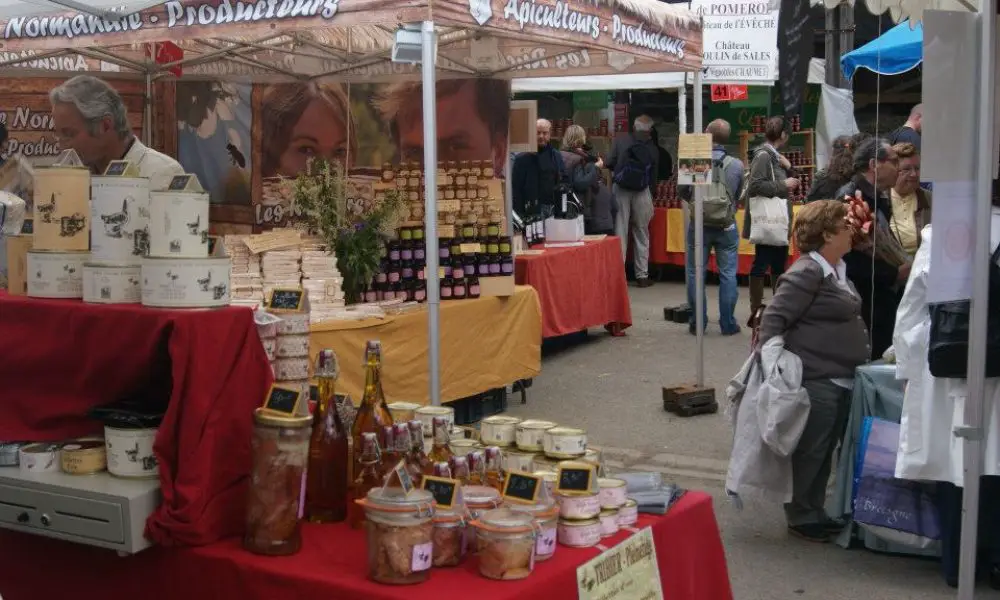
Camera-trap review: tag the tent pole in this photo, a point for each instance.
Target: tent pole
(147, 117)
(699, 243)
(972, 430)
(429, 90)
(682, 108)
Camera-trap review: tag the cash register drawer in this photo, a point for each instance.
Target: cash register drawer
(62, 515)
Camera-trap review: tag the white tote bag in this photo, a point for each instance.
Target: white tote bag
(769, 219)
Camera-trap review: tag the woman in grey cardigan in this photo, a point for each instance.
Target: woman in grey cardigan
(818, 311)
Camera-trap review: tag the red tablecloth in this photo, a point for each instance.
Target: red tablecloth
(333, 566)
(60, 358)
(578, 287)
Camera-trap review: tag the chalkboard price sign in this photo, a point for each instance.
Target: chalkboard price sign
(117, 167)
(444, 490)
(180, 183)
(286, 299)
(521, 487)
(575, 478)
(283, 400)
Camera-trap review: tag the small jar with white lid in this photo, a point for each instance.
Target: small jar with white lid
(579, 534)
(546, 515)
(609, 522)
(628, 515)
(507, 542)
(578, 506)
(400, 535)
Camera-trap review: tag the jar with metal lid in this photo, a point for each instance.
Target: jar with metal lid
(493, 229)
(579, 534)
(506, 539)
(450, 538)
(577, 506)
(609, 522)
(487, 167)
(400, 535)
(461, 447)
(499, 430)
(612, 492)
(564, 442)
(529, 434)
(546, 515)
(628, 515)
(483, 192)
(387, 173)
(516, 460)
(280, 448)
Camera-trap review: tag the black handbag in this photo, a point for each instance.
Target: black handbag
(948, 347)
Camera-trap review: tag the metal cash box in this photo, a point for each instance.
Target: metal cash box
(98, 510)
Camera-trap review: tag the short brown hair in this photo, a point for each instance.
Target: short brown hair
(774, 129)
(816, 219)
(282, 107)
(905, 150)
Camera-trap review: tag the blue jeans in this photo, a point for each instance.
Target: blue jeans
(725, 243)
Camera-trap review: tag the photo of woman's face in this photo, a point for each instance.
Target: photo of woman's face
(319, 132)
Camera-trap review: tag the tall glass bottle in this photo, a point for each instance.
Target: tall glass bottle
(387, 442)
(373, 414)
(330, 456)
(477, 467)
(494, 474)
(365, 478)
(418, 456)
(440, 452)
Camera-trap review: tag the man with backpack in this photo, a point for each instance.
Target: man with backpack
(720, 232)
(634, 161)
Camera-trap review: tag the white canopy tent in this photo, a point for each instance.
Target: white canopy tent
(353, 40)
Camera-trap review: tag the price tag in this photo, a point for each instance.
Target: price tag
(289, 300)
(121, 168)
(405, 481)
(283, 401)
(521, 488)
(471, 248)
(577, 477)
(184, 183)
(445, 491)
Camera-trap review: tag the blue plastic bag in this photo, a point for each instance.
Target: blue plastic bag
(896, 510)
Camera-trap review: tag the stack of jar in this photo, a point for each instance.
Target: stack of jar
(401, 274)
(291, 352)
(666, 194)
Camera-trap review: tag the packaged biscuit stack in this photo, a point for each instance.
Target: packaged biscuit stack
(281, 269)
(247, 286)
(322, 280)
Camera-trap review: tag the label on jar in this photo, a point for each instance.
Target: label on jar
(394, 254)
(494, 268)
(380, 277)
(418, 253)
(504, 248)
(446, 291)
(406, 254)
(444, 252)
(459, 290)
(507, 268)
(484, 269)
(420, 295)
(393, 276)
(491, 248)
(546, 543)
(407, 272)
(369, 296)
(422, 555)
(474, 290)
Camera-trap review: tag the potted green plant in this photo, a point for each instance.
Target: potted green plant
(356, 232)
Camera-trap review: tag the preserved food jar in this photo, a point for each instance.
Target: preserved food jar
(400, 535)
(546, 515)
(450, 539)
(609, 522)
(506, 540)
(578, 506)
(580, 534)
(280, 452)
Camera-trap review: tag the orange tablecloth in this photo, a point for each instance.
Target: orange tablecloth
(578, 287)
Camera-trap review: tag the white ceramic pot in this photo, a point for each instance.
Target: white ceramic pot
(119, 209)
(426, 415)
(564, 442)
(130, 452)
(578, 506)
(112, 285)
(178, 224)
(55, 274)
(61, 209)
(628, 515)
(499, 430)
(529, 435)
(185, 283)
(609, 522)
(579, 534)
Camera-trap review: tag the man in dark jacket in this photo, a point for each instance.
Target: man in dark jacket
(631, 154)
(878, 282)
(536, 175)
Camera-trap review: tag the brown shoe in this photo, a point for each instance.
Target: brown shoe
(645, 282)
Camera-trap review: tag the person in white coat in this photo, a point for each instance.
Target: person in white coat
(932, 407)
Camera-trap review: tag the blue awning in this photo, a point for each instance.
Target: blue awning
(895, 51)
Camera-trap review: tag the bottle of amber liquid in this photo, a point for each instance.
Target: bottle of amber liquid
(373, 414)
(440, 452)
(418, 458)
(330, 456)
(387, 442)
(477, 467)
(401, 438)
(460, 469)
(494, 474)
(365, 478)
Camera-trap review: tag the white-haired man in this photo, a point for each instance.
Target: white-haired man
(537, 175)
(634, 160)
(90, 117)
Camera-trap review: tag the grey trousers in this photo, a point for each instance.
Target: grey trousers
(830, 406)
(635, 211)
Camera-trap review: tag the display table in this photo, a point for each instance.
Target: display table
(667, 245)
(485, 343)
(877, 393)
(59, 358)
(579, 286)
(333, 565)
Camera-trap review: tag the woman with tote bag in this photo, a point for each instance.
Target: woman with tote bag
(769, 213)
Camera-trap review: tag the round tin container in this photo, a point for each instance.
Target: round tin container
(461, 447)
(628, 514)
(565, 442)
(185, 282)
(514, 460)
(575, 507)
(9, 453)
(529, 434)
(111, 285)
(178, 225)
(130, 452)
(61, 209)
(609, 522)
(55, 274)
(84, 457)
(403, 411)
(39, 458)
(426, 415)
(499, 430)
(579, 534)
(613, 493)
(119, 209)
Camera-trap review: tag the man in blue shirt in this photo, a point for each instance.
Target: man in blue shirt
(723, 237)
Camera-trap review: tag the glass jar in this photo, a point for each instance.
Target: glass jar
(483, 192)
(400, 535)
(493, 229)
(493, 245)
(450, 541)
(474, 289)
(456, 248)
(387, 173)
(449, 193)
(546, 515)
(494, 264)
(459, 290)
(394, 251)
(506, 264)
(446, 288)
(274, 505)
(469, 265)
(444, 249)
(420, 292)
(507, 544)
(487, 167)
(579, 534)
(482, 265)
(469, 231)
(505, 244)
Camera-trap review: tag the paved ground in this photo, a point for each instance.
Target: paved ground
(612, 387)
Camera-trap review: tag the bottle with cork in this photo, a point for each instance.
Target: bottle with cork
(330, 449)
